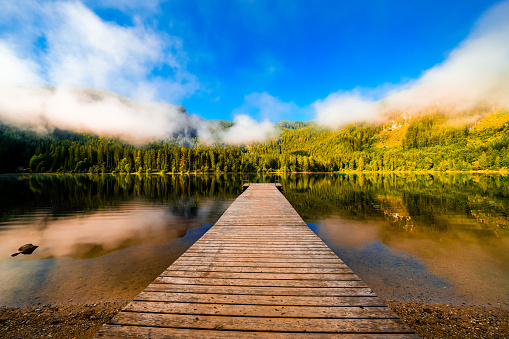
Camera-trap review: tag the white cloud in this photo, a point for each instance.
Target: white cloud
(267, 108)
(83, 50)
(86, 51)
(476, 72)
(247, 130)
(92, 110)
(15, 70)
(343, 108)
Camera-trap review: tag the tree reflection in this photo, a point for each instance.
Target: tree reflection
(71, 193)
(407, 201)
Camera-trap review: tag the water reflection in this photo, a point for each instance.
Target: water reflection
(440, 238)
(93, 234)
(429, 237)
(100, 237)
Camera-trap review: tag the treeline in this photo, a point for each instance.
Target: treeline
(102, 156)
(429, 143)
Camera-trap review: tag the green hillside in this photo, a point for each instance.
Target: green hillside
(426, 141)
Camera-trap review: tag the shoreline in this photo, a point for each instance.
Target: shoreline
(82, 321)
(500, 171)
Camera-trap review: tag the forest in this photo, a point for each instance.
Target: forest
(425, 142)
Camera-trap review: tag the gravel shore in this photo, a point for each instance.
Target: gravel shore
(53, 321)
(453, 321)
(83, 321)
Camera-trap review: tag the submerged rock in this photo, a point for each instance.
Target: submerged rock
(25, 249)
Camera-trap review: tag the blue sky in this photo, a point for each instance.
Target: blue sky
(301, 51)
(275, 60)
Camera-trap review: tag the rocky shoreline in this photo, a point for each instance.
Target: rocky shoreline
(84, 320)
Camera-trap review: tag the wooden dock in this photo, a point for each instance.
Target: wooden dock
(259, 272)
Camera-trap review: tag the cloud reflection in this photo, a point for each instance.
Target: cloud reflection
(93, 234)
(107, 255)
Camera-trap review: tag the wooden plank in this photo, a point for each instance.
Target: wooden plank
(319, 260)
(333, 312)
(263, 238)
(347, 275)
(227, 232)
(259, 255)
(254, 299)
(119, 331)
(261, 251)
(257, 269)
(263, 220)
(228, 236)
(252, 289)
(284, 264)
(276, 230)
(259, 242)
(232, 230)
(266, 239)
(292, 228)
(260, 282)
(262, 246)
(261, 323)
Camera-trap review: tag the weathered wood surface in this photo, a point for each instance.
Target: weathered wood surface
(258, 272)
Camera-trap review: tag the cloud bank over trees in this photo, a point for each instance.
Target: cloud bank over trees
(474, 73)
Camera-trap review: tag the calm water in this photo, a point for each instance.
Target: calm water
(440, 238)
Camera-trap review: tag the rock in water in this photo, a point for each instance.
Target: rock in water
(25, 249)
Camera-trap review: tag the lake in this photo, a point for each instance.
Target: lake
(412, 237)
